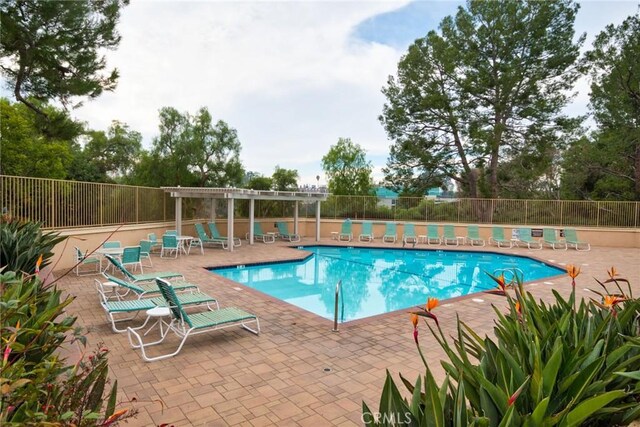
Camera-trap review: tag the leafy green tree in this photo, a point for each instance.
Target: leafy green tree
(33, 146)
(115, 152)
(191, 151)
(53, 50)
(490, 85)
(285, 179)
(607, 166)
(347, 169)
(259, 182)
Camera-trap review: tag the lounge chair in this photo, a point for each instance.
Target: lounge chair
(409, 235)
(261, 235)
(131, 256)
(345, 231)
(82, 260)
(571, 237)
(143, 290)
(432, 237)
(169, 245)
(497, 237)
(184, 324)
(549, 239)
(390, 233)
(523, 236)
(449, 237)
(215, 234)
(283, 231)
(206, 240)
(133, 307)
(366, 234)
(473, 236)
(149, 277)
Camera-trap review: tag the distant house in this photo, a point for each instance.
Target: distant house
(434, 193)
(386, 197)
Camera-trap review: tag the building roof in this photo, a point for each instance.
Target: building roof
(385, 193)
(243, 193)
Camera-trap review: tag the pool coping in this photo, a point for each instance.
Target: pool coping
(376, 317)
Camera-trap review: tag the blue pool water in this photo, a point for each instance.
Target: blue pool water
(376, 281)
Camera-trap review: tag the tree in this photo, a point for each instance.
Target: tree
(285, 179)
(486, 89)
(191, 151)
(260, 182)
(613, 167)
(52, 50)
(32, 146)
(114, 153)
(347, 169)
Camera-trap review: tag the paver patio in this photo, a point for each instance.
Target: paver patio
(297, 371)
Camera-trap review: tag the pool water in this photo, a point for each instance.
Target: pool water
(376, 280)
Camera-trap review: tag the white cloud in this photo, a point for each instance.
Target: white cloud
(286, 75)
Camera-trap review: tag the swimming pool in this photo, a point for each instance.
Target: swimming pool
(378, 280)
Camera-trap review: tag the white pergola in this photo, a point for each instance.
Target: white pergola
(232, 194)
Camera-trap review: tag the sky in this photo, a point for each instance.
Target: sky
(291, 76)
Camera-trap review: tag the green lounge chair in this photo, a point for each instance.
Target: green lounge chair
(409, 235)
(283, 231)
(113, 309)
(549, 239)
(449, 237)
(261, 235)
(497, 237)
(206, 240)
(432, 237)
(345, 231)
(155, 244)
(131, 256)
(142, 290)
(135, 278)
(473, 236)
(215, 234)
(82, 260)
(571, 237)
(390, 233)
(184, 324)
(523, 237)
(366, 234)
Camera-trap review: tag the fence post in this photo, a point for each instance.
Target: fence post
(526, 211)
(598, 215)
(137, 204)
(101, 205)
(561, 209)
(493, 207)
(53, 204)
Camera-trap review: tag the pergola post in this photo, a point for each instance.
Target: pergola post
(230, 209)
(179, 215)
(214, 204)
(251, 219)
(318, 221)
(295, 218)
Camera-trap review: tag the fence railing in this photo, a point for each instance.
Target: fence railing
(69, 204)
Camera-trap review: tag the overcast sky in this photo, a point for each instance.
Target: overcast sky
(291, 77)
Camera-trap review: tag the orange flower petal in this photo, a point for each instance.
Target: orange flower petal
(414, 320)
(431, 303)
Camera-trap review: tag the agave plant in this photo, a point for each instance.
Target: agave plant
(550, 364)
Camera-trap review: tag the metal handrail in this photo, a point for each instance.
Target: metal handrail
(335, 315)
(513, 270)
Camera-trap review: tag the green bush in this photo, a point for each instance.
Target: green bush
(37, 387)
(22, 243)
(550, 364)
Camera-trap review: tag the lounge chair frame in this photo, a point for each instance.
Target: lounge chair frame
(284, 234)
(449, 237)
(497, 237)
(184, 325)
(366, 234)
(473, 236)
(571, 238)
(82, 259)
(409, 235)
(524, 238)
(141, 278)
(345, 231)
(390, 233)
(549, 239)
(432, 237)
(215, 235)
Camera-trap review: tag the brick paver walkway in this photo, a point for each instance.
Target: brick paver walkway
(296, 372)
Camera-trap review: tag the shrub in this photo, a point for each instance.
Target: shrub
(550, 364)
(22, 243)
